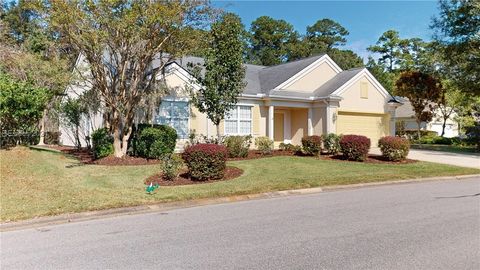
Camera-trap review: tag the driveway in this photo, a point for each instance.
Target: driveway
(464, 160)
(428, 225)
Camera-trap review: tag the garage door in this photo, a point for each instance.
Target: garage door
(373, 126)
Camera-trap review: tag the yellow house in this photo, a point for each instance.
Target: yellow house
(311, 96)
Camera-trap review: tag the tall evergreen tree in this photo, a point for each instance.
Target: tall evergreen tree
(224, 71)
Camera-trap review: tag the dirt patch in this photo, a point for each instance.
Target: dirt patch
(254, 154)
(370, 159)
(184, 178)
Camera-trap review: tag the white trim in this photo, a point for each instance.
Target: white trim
(324, 59)
(355, 78)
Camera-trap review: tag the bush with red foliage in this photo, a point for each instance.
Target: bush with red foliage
(394, 148)
(206, 161)
(312, 145)
(355, 147)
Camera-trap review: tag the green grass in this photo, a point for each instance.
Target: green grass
(448, 148)
(39, 183)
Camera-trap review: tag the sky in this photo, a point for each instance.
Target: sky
(365, 20)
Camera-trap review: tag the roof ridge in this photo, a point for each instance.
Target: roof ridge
(297, 60)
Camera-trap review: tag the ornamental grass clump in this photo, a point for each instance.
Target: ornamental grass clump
(355, 147)
(312, 145)
(206, 161)
(394, 148)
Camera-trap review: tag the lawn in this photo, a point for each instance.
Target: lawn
(448, 148)
(39, 183)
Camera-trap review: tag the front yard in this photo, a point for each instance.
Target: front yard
(38, 183)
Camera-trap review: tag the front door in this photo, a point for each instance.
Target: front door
(278, 127)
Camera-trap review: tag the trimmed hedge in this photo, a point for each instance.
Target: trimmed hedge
(331, 143)
(156, 142)
(312, 145)
(238, 146)
(102, 143)
(435, 140)
(394, 148)
(355, 147)
(206, 161)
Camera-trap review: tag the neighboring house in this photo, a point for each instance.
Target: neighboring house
(407, 115)
(311, 96)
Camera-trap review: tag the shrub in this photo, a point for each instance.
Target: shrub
(206, 161)
(290, 147)
(413, 134)
(171, 166)
(102, 143)
(435, 140)
(238, 146)
(156, 142)
(355, 147)
(331, 143)
(264, 145)
(312, 145)
(394, 148)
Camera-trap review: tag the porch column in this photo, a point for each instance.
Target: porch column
(271, 110)
(310, 121)
(329, 125)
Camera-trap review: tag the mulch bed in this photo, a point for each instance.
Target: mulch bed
(85, 156)
(184, 178)
(128, 160)
(377, 159)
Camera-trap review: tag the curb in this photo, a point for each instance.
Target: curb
(161, 207)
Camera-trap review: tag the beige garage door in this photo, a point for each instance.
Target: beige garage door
(373, 126)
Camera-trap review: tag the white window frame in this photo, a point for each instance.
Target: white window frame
(250, 106)
(186, 100)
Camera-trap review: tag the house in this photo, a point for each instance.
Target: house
(311, 96)
(406, 116)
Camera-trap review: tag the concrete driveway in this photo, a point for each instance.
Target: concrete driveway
(464, 160)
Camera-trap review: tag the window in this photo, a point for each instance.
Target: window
(174, 113)
(239, 121)
(363, 90)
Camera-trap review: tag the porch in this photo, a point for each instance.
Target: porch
(291, 124)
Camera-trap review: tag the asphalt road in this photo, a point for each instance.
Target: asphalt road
(430, 225)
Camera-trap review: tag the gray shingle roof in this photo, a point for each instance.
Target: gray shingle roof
(336, 82)
(271, 77)
(262, 79)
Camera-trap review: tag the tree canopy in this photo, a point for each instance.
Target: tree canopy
(120, 40)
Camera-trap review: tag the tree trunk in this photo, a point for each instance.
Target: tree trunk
(42, 128)
(117, 143)
(218, 132)
(77, 138)
(418, 130)
(443, 126)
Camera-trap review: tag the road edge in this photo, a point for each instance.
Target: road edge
(161, 207)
